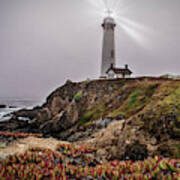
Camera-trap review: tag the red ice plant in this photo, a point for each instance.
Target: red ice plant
(39, 163)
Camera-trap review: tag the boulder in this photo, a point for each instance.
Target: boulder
(13, 125)
(31, 114)
(135, 151)
(2, 106)
(57, 105)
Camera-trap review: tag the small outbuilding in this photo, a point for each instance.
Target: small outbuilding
(114, 72)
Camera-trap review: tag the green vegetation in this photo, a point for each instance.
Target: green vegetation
(175, 151)
(172, 104)
(92, 114)
(137, 99)
(132, 100)
(162, 115)
(149, 91)
(127, 105)
(86, 117)
(3, 145)
(86, 82)
(155, 106)
(173, 99)
(172, 151)
(116, 113)
(78, 96)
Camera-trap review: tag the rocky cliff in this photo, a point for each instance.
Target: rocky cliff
(123, 118)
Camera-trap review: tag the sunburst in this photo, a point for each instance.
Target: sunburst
(115, 9)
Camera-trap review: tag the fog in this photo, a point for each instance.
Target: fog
(43, 42)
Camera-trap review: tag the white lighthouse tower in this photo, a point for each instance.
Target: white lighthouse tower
(108, 51)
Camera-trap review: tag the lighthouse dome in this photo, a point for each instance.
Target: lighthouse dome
(109, 20)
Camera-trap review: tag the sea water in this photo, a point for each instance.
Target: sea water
(15, 104)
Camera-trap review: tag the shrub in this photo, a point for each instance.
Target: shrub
(86, 117)
(78, 96)
(133, 98)
(71, 162)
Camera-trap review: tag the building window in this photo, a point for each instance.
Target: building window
(112, 54)
(111, 75)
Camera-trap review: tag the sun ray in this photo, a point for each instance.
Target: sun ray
(101, 3)
(98, 4)
(136, 30)
(110, 4)
(121, 8)
(138, 36)
(116, 3)
(133, 24)
(106, 4)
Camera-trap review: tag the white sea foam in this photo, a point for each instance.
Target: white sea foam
(23, 119)
(5, 114)
(16, 102)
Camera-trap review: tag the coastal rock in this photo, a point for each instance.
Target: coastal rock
(109, 114)
(2, 106)
(57, 105)
(31, 114)
(14, 125)
(136, 151)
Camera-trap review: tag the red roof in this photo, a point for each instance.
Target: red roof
(120, 70)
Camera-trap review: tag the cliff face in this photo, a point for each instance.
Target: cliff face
(145, 113)
(149, 102)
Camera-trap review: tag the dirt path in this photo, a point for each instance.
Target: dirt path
(22, 145)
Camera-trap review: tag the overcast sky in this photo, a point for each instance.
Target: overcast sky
(45, 42)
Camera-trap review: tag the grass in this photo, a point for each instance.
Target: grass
(125, 106)
(172, 151)
(132, 100)
(163, 110)
(85, 118)
(173, 99)
(3, 145)
(116, 113)
(175, 150)
(92, 114)
(78, 96)
(170, 106)
(138, 98)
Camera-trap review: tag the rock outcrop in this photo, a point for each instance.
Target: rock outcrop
(123, 118)
(2, 106)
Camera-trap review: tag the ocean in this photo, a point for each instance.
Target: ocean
(14, 104)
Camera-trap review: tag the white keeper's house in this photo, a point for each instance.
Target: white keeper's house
(114, 72)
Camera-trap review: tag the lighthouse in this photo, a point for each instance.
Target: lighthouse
(108, 50)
